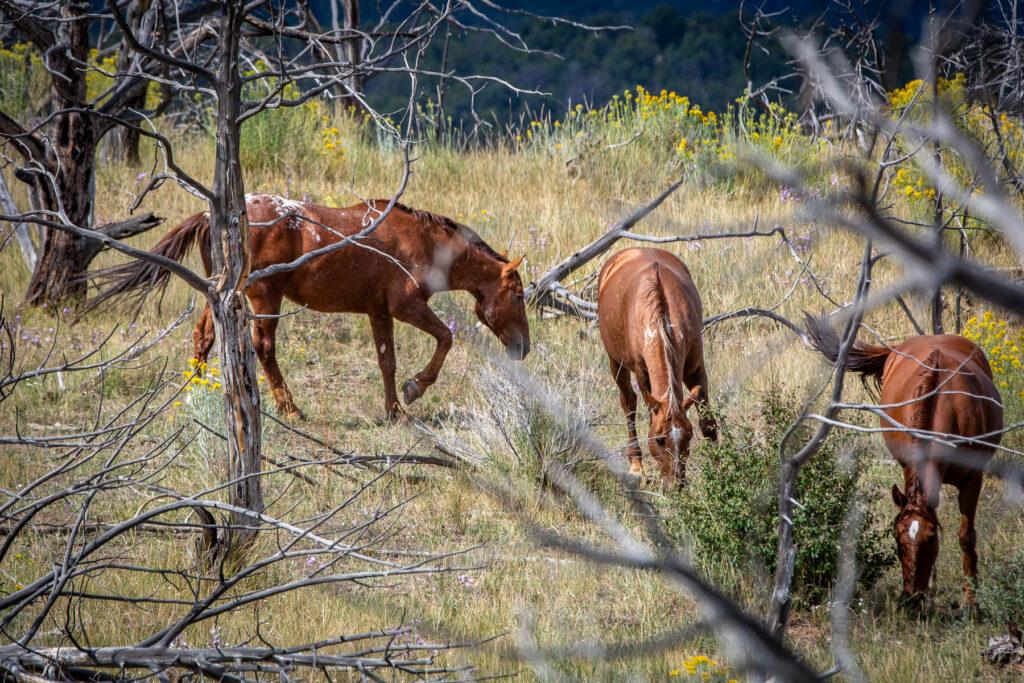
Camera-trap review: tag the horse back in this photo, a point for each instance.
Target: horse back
(944, 384)
(358, 278)
(625, 302)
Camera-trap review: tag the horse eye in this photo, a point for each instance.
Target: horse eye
(660, 440)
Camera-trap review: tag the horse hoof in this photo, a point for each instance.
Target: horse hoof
(410, 391)
(291, 413)
(972, 612)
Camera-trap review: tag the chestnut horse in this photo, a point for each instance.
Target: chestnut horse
(391, 274)
(938, 386)
(650, 318)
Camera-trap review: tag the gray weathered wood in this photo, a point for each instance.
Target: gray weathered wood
(540, 291)
(21, 234)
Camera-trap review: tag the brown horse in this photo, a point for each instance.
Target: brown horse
(940, 388)
(390, 274)
(650, 318)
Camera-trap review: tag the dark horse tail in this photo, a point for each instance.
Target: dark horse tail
(866, 359)
(138, 278)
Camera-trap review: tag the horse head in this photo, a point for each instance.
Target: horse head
(917, 540)
(501, 306)
(670, 432)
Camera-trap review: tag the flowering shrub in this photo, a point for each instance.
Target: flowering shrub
(672, 127)
(915, 101)
(702, 668)
(331, 136)
(24, 82)
(1002, 344)
(199, 378)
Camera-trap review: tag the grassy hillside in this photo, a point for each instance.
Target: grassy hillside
(554, 188)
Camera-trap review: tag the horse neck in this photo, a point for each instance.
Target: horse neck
(474, 271)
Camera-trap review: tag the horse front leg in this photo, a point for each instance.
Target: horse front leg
(627, 400)
(383, 328)
(968, 499)
(708, 424)
(417, 313)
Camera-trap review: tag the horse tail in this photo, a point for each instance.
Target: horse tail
(139, 278)
(866, 359)
(660, 324)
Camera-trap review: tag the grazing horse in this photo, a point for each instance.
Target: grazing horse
(650, 318)
(937, 386)
(390, 274)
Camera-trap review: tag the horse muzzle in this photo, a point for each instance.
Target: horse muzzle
(518, 349)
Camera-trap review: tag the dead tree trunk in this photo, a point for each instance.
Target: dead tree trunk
(350, 50)
(229, 239)
(126, 140)
(71, 168)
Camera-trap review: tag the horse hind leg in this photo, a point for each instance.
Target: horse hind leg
(203, 336)
(264, 339)
(418, 314)
(627, 400)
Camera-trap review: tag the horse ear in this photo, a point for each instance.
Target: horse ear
(898, 497)
(691, 398)
(511, 267)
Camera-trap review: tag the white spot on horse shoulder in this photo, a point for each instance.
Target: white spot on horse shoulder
(383, 348)
(914, 526)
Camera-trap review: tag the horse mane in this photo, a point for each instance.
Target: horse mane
(652, 297)
(917, 502)
(450, 226)
(921, 410)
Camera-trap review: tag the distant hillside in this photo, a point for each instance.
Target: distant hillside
(695, 48)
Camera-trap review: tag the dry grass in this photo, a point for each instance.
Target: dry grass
(329, 364)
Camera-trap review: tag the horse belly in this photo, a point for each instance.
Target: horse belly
(339, 283)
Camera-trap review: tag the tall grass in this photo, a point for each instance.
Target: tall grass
(553, 199)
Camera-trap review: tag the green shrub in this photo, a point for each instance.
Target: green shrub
(1001, 590)
(729, 510)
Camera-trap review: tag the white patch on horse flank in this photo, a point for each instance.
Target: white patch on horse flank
(914, 526)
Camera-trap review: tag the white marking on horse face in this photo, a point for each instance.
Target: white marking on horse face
(677, 435)
(914, 526)
(383, 348)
